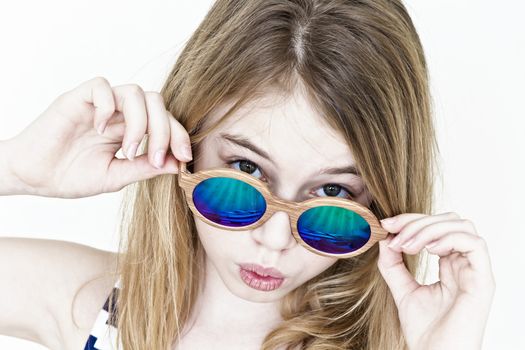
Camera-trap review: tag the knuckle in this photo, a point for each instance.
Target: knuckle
(100, 81)
(135, 90)
(154, 96)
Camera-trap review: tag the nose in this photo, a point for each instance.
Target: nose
(276, 233)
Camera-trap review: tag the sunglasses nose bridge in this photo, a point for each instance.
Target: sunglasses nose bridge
(284, 205)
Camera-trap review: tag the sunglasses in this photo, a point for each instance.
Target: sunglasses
(235, 200)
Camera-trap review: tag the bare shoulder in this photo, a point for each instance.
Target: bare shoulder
(50, 286)
(85, 293)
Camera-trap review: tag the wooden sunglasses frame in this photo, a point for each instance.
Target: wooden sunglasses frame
(188, 181)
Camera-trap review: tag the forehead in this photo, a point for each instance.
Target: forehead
(288, 129)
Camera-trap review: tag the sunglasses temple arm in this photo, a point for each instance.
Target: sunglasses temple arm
(182, 166)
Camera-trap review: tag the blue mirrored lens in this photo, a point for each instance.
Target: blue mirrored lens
(332, 229)
(229, 202)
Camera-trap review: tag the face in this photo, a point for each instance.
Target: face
(296, 146)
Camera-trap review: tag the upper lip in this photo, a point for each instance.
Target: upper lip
(263, 271)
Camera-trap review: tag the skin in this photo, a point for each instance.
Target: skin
(451, 313)
(228, 306)
(74, 161)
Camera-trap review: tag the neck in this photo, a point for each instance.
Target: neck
(217, 309)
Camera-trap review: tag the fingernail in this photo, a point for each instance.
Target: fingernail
(132, 150)
(159, 158)
(102, 127)
(186, 151)
(388, 221)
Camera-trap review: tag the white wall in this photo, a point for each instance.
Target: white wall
(475, 52)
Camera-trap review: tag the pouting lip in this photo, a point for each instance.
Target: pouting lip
(263, 271)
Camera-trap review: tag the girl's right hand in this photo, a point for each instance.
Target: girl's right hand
(60, 154)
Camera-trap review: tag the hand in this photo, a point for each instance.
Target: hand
(61, 154)
(452, 312)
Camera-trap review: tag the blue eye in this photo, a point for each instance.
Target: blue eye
(331, 190)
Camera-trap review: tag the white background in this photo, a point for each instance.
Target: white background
(475, 52)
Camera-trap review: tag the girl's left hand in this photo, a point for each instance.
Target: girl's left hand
(452, 312)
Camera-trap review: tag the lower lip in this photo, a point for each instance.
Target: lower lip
(264, 283)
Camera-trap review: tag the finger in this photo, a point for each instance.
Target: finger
(158, 128)
(447, 276)
(407, 225)
(115, 128)
(123, 172)
(131, 102)
(473, 247)
(95, 93)
(396, 275)
(433, 232)
(451, 268)
(180, 142)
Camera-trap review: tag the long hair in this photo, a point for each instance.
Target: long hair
(362, 66)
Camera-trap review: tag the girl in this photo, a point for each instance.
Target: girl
(308, 120)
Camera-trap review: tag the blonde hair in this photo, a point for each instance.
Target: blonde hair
(363, 68)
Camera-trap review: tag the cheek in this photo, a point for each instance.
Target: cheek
(216, 241)
(222, 244)
(313, 264)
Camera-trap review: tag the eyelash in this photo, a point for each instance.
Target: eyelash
(230, 162)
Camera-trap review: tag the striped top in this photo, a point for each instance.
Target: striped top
(103, 335)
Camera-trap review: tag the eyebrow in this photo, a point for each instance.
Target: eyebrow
(245, 143)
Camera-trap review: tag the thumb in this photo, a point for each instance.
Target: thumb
(396, 275)
(123, 172)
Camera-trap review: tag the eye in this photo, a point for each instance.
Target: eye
(333, 190)
(245, 165)
(330, 190)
